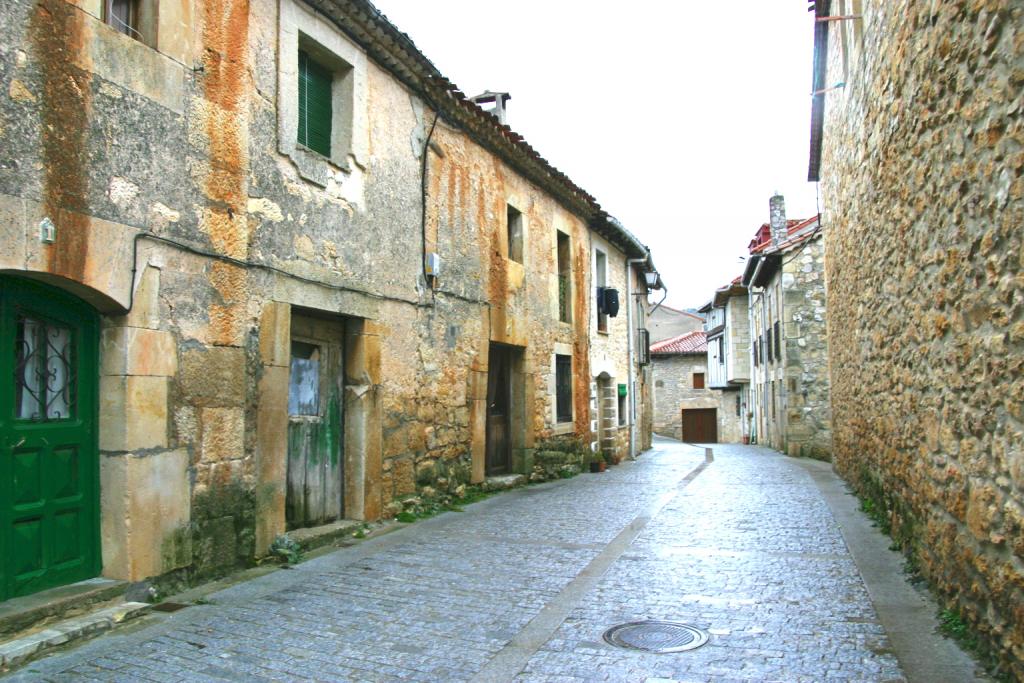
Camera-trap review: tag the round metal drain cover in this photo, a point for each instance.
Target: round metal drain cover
(656, 636)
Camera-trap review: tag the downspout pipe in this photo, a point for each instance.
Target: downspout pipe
(632, 353)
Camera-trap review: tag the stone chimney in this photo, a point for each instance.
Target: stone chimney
(777, 213)
(497, 99)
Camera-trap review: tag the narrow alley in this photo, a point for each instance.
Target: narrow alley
(744, 544)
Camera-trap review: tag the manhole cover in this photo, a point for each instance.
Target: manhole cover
(655, 636)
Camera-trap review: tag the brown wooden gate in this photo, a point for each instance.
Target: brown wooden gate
(315, 434)
(700, 425)
(499, 410)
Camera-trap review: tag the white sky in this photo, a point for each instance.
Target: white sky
(681, 117)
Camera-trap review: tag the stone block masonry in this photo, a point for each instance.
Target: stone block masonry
(923, 196)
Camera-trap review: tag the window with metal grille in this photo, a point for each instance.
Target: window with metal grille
(778, 342)
(644, 346)
(563, 388)
(315, 108)
(769, 345)
(601, 279)
(564, 273)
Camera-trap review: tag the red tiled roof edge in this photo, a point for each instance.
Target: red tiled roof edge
(690, 342)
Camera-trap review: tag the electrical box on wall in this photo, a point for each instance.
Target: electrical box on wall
(432, 264)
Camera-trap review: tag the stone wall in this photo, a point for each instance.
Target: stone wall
(110, 137)
(808, 411)
(923, 196)
(673, 392)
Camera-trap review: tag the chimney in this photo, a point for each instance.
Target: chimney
(777, 213)
(498, 99)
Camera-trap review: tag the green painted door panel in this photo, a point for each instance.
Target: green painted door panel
(49, 467)
(315, 476)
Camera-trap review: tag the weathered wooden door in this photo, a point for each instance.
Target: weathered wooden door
(49, 467)
(499, 410)
(315, 425)
(700, 425)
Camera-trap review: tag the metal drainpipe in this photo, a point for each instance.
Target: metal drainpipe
(632, 354)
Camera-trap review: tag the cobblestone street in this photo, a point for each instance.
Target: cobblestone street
(522, 586)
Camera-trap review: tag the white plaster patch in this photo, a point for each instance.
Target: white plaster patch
(20, 93)
(110, 91)
(303, 246)
(261, 206)
(161, 216)
(122, 192)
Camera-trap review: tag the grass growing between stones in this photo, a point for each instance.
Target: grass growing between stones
(891, 516)
(952, 625)
(421, 508)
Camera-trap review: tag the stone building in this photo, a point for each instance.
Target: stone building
(262, 267)
(920, 160)
(727, 327)
(785, 278)
(685, 406)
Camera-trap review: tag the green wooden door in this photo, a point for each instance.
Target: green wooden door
(49, 468)
(315, 479)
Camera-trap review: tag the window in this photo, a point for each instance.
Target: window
(322, 101)
(514, 227)
(738, 406)
(601, 280)
(563, 388)
(721, 350)
(698, 380)
(123, 16)
(564, 275)
(778, 342)
(134, 18)
(315, 108)
(769, 333)
(623, 410)
(643, 346)
(304, 380)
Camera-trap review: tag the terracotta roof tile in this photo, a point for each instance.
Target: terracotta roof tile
(691, 342)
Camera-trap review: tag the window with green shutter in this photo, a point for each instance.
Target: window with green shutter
(314, 105)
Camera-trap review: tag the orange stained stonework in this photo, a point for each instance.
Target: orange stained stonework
(56, 35)
(225, 33)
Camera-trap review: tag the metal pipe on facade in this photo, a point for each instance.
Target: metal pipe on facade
(632, 353)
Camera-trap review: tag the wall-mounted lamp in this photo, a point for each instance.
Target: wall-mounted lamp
(651, 278)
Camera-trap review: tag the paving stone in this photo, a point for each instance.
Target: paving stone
(747, 549)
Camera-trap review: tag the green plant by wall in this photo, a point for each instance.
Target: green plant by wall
(286, 548)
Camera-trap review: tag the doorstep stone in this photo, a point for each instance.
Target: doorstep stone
(16, 652)
(507, 481)
(311, 538)
(18, 614)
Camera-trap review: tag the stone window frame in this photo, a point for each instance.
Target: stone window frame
(300, 27)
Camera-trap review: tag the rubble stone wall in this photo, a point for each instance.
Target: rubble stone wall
(923, 197)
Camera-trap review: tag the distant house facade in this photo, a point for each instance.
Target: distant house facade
(728, 339)
(666, 322)
(789, 383)
(685, 405)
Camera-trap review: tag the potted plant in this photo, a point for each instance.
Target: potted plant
(597, 462)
